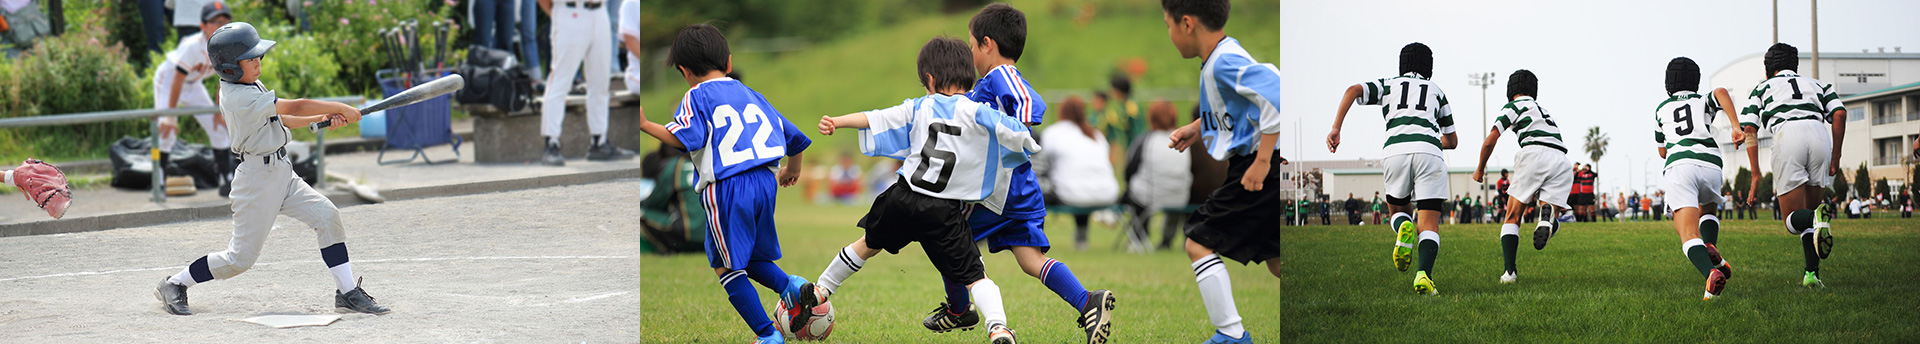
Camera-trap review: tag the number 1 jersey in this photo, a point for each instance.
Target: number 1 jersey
(731, 129)
(952, 147)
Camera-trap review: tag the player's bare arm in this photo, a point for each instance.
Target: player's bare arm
(299, 113)
(1340, 118)
(1449, 141)
(1183, 137)
(1486, 151)
(659, 132)
(1839, 135)
(1262, 160)
(857, 120)
(1726, 105)
(790, 173)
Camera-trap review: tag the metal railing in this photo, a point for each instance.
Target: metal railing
(159, 185)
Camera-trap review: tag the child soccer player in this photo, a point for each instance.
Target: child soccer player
(1239, 118)
(264, 185)
(1798, 111)
(1692, 176)
(1011, 218)
(176, 83)
(970, 143)
(1545, 175)
(736, 177)
(1419, 125)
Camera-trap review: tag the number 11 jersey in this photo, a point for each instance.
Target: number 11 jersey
(1417, 113)
(731, 129)
(952, 147)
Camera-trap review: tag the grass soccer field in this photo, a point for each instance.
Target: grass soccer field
(1604, 283)
(1158, 301)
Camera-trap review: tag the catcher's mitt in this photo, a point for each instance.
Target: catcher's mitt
(44, 185)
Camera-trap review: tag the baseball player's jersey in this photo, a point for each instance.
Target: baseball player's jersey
(1416, 111)
(1526, 118)
(249, 110)
(1004, 90)
(952, 147)
(1240, 100)
(1685, 122)
(190, 56)
(1789, 97)
(730, 129)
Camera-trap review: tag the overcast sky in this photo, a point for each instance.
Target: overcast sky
(1600, 63)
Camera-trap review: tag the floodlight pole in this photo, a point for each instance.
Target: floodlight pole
(1483, 80)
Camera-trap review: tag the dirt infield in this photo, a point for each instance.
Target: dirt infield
(545, 265)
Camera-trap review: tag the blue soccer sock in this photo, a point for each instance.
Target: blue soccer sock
(958, 299)
(746, 301)
(769, 275)
(1060, 279)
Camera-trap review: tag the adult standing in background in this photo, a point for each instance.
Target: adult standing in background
(530, 43)
(571, 52)
(630, 42)
(1352, 206)
(493, 23)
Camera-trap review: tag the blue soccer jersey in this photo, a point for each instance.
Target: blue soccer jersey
(1240, 100)
(1005, 90)
(731, 129)
(953, 148)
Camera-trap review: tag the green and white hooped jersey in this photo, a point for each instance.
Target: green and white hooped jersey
(1416, 111)
(1526, 118)
(1787, 96)
(1685, 128)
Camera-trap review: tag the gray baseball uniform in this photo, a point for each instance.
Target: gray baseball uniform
(264, 184)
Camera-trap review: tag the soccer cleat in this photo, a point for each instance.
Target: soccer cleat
(1823, 232)
(1510, 277)
(1097, 317)
(1222, 338)
(1403, 247)
(1716, 281)
(1000, 335)
(173, 297)
(940, 320)
(800, 295)
(775, 338)
(1719, 264)
(357, 300)
(1424, 285)
(1542, 232)
(1812, 280)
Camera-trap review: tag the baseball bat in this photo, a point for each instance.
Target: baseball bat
(429, 90)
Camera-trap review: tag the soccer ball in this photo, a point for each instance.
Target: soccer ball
(816, 323)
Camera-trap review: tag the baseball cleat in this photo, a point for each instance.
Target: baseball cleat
(1510, 277)
(1812, 280)
(1403, 247)
(1000, 335)
(1097, 317)
(1716, 281)
(173, 297)
(1423, 285)
(357, 300)
(940, 320)
(1222, 338)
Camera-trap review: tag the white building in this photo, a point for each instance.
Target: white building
(1882, 86)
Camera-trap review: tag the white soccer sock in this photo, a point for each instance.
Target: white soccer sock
(343, 277)
(839, 269)
(184, 278)
(1216, 293)
(1689, 244)
(986, 296)
(1510, 229)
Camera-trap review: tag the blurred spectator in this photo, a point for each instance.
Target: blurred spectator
(1905, 202)
(629, 42)
(177, 82)
(1659, 204)
(1122, 120)
(574, 54)
(844, 180)
(1158, 177)
(672, 217)
(1077, 157)
(493, 23)
(25, 23)
(1379, 207)
(1352, 207)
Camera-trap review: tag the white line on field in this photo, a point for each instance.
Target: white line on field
(583, 299)
(425, 259)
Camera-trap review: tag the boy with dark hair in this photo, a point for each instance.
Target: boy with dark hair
(969, 141)
(1692, 179)
(1808, 123)
(1545, 174)
(1012, 216)
(735, 177)
(1122, 119)
(1419, 126)
(1239, 120)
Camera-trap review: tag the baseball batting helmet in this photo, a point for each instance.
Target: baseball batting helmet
(233, 43)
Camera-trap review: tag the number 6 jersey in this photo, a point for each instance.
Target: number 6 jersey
(952, 147)
(730, 129)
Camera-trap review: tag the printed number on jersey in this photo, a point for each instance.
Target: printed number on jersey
(929, 151)
(734, 123)
(1683, 119)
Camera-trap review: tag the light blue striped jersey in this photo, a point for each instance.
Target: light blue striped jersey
(1239, 101)
(952, 147)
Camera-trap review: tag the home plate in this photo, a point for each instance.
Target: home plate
(286, 321)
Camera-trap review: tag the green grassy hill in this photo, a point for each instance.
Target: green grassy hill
(1069, 49)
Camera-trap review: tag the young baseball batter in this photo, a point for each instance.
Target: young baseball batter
(264, 185)
(737, 139)
(176, 83)
(1799, 111)
(1012, 218)
(1419, 125)
(1692, 176)
(1239, 118)
(1545, 175)
(955, 153)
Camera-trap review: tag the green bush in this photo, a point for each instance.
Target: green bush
(350, 28)
(300, 66)
(69, 74)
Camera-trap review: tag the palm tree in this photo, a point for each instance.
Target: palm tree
(1596, 144)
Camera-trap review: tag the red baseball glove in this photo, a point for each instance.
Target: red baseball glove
(44, 185)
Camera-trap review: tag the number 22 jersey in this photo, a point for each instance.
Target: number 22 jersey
(730, 129)
(952, 147)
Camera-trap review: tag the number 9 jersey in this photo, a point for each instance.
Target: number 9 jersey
(952, 147)
(730, 129)
(1686, 129)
